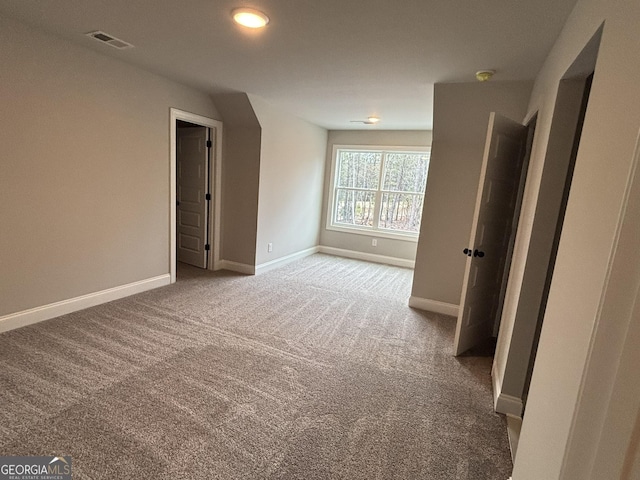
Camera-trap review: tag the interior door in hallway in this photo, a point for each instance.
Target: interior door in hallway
(492, 231)
(192, 188)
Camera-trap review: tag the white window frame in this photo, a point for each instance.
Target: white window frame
(360, 230)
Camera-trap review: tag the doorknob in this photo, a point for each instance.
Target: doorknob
(467, 252)
(477, 253)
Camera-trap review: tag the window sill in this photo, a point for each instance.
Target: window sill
(403, 237)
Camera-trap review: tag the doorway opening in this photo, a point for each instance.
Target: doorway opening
(195, 180)
(517, 363)
(193, 193)
(585, 86)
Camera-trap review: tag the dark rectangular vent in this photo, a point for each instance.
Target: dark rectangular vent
(103, 37)
(109, 40)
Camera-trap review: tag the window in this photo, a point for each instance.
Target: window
(378, 191)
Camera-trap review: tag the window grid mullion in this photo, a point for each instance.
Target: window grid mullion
(403, 192)
(376, 211)
(356, 189)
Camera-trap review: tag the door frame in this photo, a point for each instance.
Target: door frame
(511, 374)
(530, 124)
(215, 180)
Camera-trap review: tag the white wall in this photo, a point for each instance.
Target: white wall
(84, 180)
(291, 178)
(618, 448)
(566, 427)
(240, 178)
(460, 119)
(387, 247)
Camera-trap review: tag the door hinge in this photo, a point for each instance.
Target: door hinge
(207, 196)
(209, 144)
(207, 247)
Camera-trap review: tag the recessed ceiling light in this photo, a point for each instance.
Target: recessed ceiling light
(249, 17)
(369, 121)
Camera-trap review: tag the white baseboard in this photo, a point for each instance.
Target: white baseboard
(496, 383)
(237, 267)
(503, 403)
(369, 257)
(279, 262)
(508, 405)
(434, 306)
(52, 310)
(514, 427)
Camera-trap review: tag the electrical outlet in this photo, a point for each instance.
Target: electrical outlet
(374, 242)
(269, 247)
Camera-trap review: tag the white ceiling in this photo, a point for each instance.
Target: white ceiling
(327, 61)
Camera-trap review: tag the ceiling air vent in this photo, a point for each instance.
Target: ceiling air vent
(110, 40)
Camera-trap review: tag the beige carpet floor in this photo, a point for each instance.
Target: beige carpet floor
(316, 370)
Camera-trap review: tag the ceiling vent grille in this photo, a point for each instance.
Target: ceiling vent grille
(109, 40)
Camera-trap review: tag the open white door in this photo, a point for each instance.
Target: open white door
(192, 180)
(491, 232)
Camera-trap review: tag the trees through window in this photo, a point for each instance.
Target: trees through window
(379, 189)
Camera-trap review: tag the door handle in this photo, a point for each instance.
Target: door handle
(477, 253)
(467, 252)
